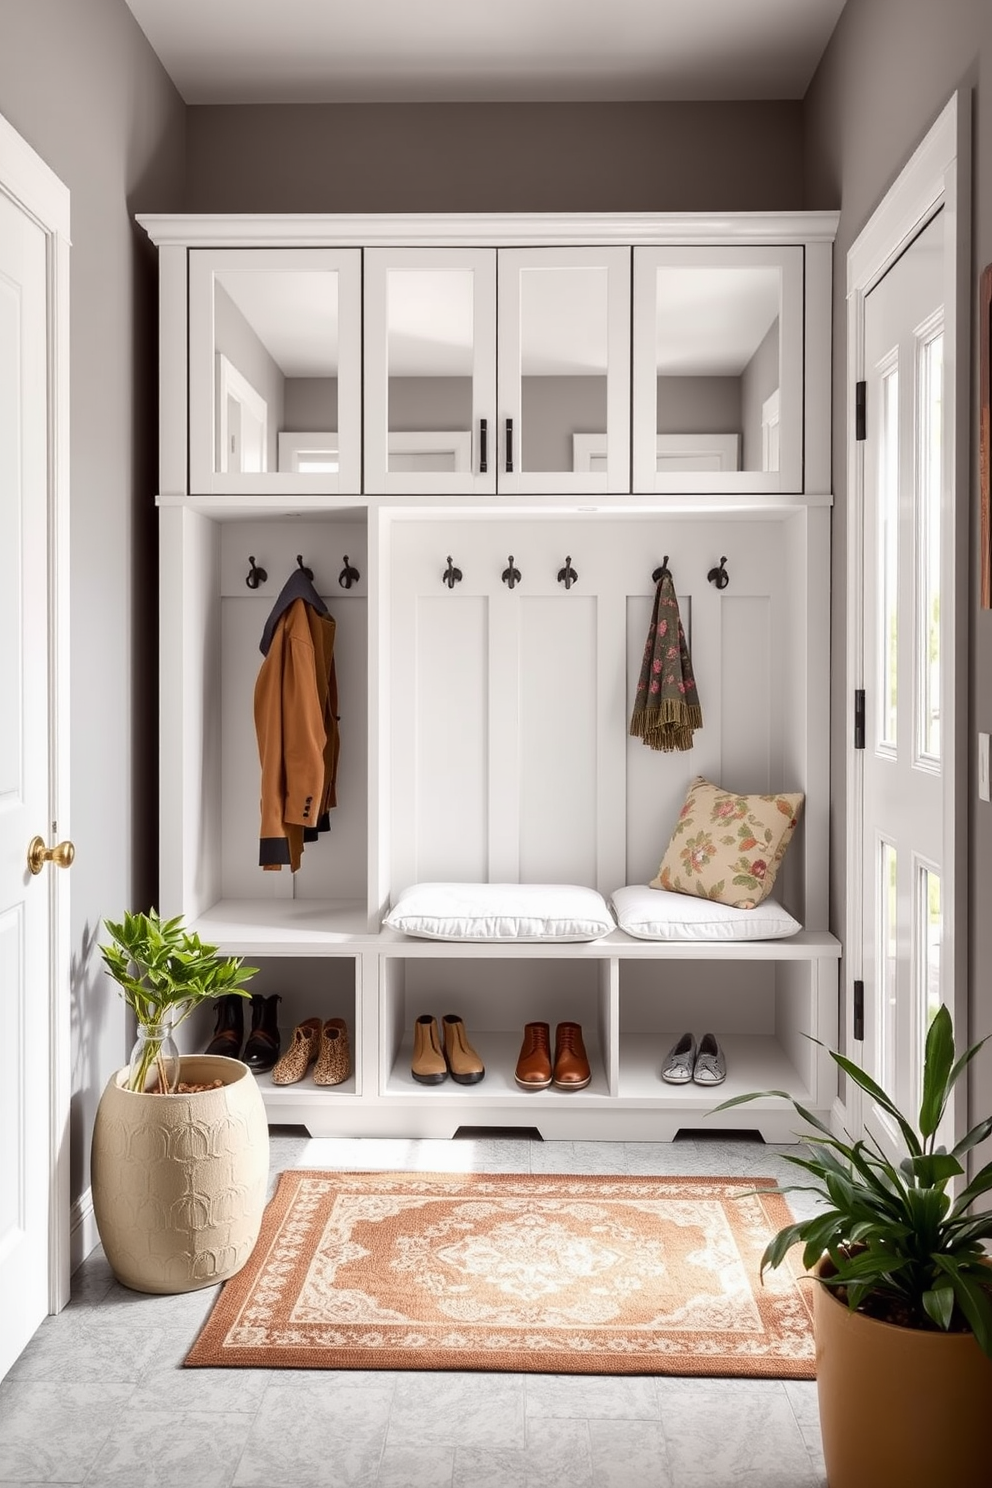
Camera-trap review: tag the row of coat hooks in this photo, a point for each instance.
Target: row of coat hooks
(567, 575)
(256, 575)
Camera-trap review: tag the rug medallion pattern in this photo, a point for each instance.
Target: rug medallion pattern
(515, 1272)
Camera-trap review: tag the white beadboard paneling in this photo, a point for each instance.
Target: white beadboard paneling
(447, 726)
(745, 694)
(558, 765)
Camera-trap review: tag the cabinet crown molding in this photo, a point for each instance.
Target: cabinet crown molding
(526, 229)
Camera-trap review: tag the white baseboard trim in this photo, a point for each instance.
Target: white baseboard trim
(83, 1233)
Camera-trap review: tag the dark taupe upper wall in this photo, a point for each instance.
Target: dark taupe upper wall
(496, 157)
(890, 68)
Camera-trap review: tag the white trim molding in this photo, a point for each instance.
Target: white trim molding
(472, 229)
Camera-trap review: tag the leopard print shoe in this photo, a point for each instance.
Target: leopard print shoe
(300, 1055)
(334, 1059)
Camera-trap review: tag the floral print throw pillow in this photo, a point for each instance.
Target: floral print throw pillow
(728, 847)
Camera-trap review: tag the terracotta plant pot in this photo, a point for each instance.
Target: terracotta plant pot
(179, 1181)
(899, 1406)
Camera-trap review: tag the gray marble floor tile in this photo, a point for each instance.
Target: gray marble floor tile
(559, 1452)
(188, 1310)
(316, 1436)
(661, 1159)
(590, 1396)
(732, 1434)
(83, 1347)
(485, 1467)
(461, 1410)
(629, 1454)
(162, 1448)
(801, 1395)
(578, 1158)
(52, 1433)
(416, 1467)
(165, 1383)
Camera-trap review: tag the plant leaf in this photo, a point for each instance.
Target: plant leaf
(877, 1093)
(938, 1058)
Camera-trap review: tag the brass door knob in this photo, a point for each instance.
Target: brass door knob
(38, 854)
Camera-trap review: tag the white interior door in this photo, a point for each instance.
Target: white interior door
(905, 756)
(34, 1255)
(24, 811)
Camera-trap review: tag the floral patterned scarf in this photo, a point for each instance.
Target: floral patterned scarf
(666, 708)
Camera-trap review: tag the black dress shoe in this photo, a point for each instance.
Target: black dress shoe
(230, 1029)
(262, 1048)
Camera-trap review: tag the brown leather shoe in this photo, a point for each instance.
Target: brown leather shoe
(533, 1070)
(428, 1064)
(464, 1064)
(571, 1063)
(301, 1053)
(334, 1056)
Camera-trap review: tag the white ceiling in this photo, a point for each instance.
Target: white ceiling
(347, 51)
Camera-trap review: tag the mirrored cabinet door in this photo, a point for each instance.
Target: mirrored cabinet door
(275, 370)
(430, 370)
(718, 369)
(564, 369)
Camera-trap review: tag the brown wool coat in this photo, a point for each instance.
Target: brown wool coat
(296, 724)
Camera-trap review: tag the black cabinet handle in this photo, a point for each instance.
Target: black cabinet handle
(509, 446)
(483, 446)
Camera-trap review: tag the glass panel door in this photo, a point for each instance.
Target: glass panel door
(718, 369)
(430, 370)
(275, 358)
(564, 350)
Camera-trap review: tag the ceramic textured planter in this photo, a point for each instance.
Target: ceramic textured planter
(899, 1406)
(179, 1181)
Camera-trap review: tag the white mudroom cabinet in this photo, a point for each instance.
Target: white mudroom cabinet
(484, 436)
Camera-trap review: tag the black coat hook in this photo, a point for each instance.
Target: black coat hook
(663, 572)
(451, 575)
(256, 575)
(348, 575)
(567, 575)
(511, 575)
(302, 565)
(719, 576)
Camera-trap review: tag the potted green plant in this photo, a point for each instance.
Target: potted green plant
(164, 973)
(180, 1148)
(903, 1307)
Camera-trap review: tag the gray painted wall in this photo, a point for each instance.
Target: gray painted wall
(80, 84)
(888, 71)
(602, 157)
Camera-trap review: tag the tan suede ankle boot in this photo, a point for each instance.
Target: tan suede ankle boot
(428, 1065)
(464, 1063)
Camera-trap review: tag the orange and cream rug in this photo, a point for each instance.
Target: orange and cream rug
(556, 1275)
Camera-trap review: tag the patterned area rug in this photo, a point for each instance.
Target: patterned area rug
(553, 1275)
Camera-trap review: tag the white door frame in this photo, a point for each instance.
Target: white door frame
(32, 186)
(936, 177)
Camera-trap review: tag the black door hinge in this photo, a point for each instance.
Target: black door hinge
(859, 1011)
(860, 410)
(859, 718)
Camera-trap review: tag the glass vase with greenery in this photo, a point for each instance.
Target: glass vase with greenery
(164, 973)
(897, 1245)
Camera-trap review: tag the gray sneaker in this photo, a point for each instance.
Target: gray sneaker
(710, 1067)
(679, 1061)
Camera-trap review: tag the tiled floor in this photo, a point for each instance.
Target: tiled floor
(99, 1396)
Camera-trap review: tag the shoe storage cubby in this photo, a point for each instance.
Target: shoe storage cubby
(483, 485)
(759, 1010)
(495, 996)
